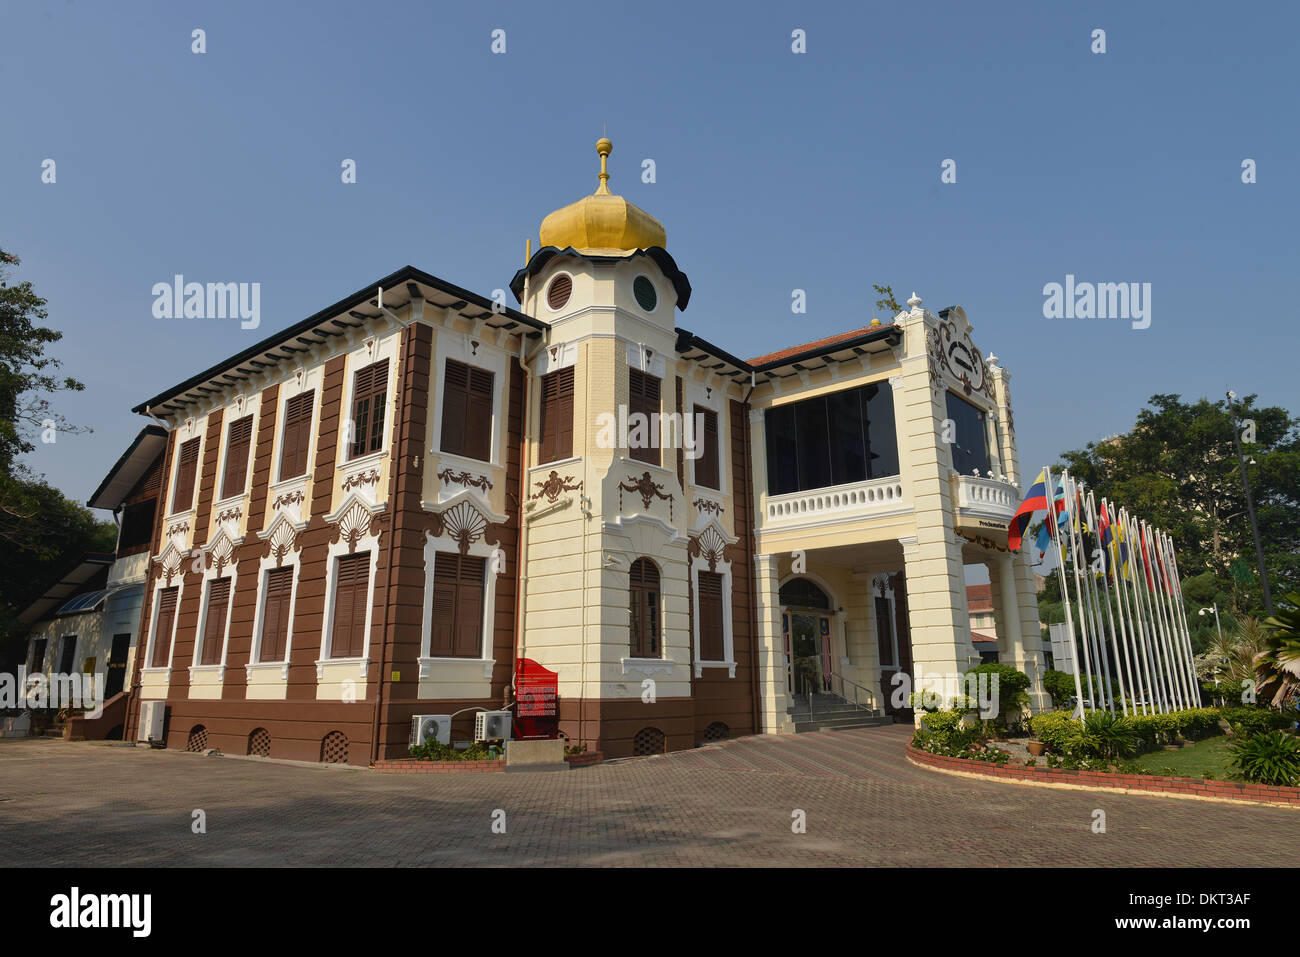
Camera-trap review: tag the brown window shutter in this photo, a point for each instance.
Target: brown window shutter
(643, 397)
(162, 635)
(458, 594)
(643, 587)
(297, 435)
(706, 466)
(469, 608)
(557, 416)
(478, 425)
(455, 405)
(445, 574)
(352, 583)
(188, 460)
(214, 628)
(275, 614)
(238, 440)
(709, 608)
(369, 399)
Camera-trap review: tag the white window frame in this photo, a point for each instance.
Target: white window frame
(292, 559)
(384, 349)
(312, 380)
(336, 550)
(193, 429)
(695, 394)
(479, 549)
(209, 576)
(723, 568)
(158, 588)
(449, 344)
(231, 415)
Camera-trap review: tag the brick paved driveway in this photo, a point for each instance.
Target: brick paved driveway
(90, 804)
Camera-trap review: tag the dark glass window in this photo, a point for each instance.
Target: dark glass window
(970, 448)
(843, 437)
(804, 594)
(882, 437)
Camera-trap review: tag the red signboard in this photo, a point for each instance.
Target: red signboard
(537, 700)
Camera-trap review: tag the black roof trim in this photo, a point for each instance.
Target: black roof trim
(891, 334)
(149, 430)
(687, 340)
(662, 258)
(360, 297)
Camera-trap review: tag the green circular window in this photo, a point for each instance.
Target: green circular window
(644, 290)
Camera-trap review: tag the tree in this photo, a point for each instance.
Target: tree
(887, 302)
(1177, 469)
(41, 530)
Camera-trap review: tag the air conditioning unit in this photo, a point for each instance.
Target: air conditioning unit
(492, 726)
(430, 727)
(152, 714)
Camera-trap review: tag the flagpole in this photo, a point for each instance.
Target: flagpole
(1167, 611)
(1125, 693)
(1182, 603)
(1143, 695)
(1180, 611)
(1175, 666)
(1148, 595)
(1078, 588)
(1094, 613)
(1135, 607)
(1065, 592)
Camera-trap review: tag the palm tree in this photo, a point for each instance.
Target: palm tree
(1234, 658)
(1278, 662)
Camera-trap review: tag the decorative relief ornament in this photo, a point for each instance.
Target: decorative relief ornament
(554, 485)
(709, 545)
(647, 488)
(467, 479)
(463, 524)
(354, 524)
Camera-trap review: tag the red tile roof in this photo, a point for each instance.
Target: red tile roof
(979, 598)
(981, 639)
(805, 347)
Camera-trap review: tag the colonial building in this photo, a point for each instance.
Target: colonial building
(378, 511)
(87, 620)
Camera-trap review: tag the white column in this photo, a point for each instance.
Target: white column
(771, 654)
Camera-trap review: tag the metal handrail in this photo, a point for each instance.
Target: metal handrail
(832, 677)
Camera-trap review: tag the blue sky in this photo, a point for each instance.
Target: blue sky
(775, 171)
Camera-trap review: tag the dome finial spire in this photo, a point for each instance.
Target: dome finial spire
(604, 147)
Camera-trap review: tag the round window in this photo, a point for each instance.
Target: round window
(644, 290)
(560, 290)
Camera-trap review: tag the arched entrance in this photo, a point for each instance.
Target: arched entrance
(806, 612)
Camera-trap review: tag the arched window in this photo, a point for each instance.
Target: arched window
(804, 594)
(643, 585)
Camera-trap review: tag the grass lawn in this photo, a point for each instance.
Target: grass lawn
(1210, 758)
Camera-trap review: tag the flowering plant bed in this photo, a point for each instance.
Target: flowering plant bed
(1190, 788)
(584, 759)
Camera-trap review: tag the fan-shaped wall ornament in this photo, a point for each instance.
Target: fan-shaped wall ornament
(354, 525)
(462, 523)
(708, 545)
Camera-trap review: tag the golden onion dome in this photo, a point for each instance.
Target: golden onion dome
(602, 222)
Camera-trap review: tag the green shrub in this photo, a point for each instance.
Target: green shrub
(1269, 757)
(1054, 728)
(1105, 735)
(436, 751)
(1059, 685)
(1247, 722)
(1012, 688)
(943, 722)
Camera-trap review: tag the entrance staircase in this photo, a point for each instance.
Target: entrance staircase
(826, 711)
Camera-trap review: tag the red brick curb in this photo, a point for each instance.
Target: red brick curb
(411, 766)
(1193, 788)
(585, 760)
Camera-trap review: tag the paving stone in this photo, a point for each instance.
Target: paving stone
(84, 804)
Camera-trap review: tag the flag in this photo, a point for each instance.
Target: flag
(1043, 540)
(1035, 499)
